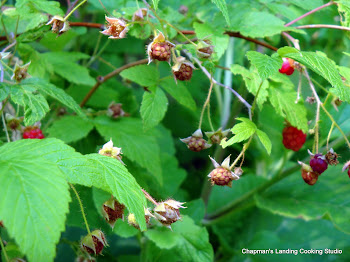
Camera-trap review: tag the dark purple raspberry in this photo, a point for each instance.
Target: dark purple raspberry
(318, 163)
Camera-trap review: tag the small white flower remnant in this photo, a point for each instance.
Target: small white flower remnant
(59, 25)
(140, 14)
(116, 28)
(167, 212)
(222, 174)
(109, 150)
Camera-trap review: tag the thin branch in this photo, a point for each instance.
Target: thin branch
(210, 77)
(294, 41)
(102, 79)
(149, 197)
(238, 35)
(9, 46)
(310, 12)
(323, 26)
(87, 24)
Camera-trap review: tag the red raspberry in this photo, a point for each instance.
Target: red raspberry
(309, 177)
(33, 133)
(293, 138)
(287, 66)
(184, 73)
(161, 51)
(349, 172)
(318, 163)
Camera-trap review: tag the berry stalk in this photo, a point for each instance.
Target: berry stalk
(74, 9)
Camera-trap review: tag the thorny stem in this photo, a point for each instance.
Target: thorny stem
(3, 250)
(74, 9)
(102, 79)
(309, 13)
(324, 26)
(323, 107)
(81, 208)
(206, 103)
(329, 134)
(148, 196)
(205, 71)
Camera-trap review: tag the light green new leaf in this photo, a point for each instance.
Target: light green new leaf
(265, 64)
(54, 92)
(144, 75)
(242, 131)
(155, 4)
(70, 128)
(140, 147)
(35, 105)
(153, 107)
(163, 237)
(179, 92)
(65, 65)
(252, 81)
(113, 177)
(282, 98)
(34, 200)
(321, 65)
(221, 4)
(4, 91)
(265, 140)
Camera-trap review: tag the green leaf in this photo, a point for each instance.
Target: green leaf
(282, 98)
(153, 107)
(194, 243)
(54, 92)
(140, 147)
(34, 200)
(215, 34)
(265, 64)
(321, 65)
(35, 105)
(4, 90)
(144, 75)
(113, 177)
(70, 128)
(265, 140)
(326, 199)
(252, 81)
(65, 65)
(50, 7)
(242, 131)
(344, 11)
(179, 92)
(155, 4)
(260, 24)
(163, 237)
(221, 4)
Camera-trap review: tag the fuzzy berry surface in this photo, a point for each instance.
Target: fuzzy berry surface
(196, 144)
(286, 68)
(33, 134)
(293, 138)
(318, 164)
(184, 73)
(161, 51)
(309, 177)
(221, 176)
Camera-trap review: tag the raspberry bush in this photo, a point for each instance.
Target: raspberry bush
(174, 130)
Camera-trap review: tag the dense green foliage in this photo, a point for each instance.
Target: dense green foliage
(83, 89)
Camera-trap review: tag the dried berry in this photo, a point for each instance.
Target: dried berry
(115, 28)
(318, 163)
(332, 157)
(196, 142)
(112, 210)
(94, 242)
(217, 136)
(167, 212)
(20, 72)
(115, 110)
(58, 25)
(205, 49)
(32, 132)
(287, 66)
(222, 175)
(159, 49)
(293, 138)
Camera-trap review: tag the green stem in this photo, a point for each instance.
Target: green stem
(74, 9)
(206, 103)
(245, 147)
(3, 250)
(255, 99)
(329, 134)
(81, 208)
